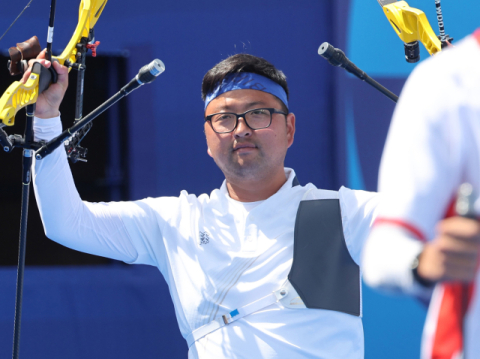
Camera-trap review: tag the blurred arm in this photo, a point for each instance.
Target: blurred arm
(420, 172)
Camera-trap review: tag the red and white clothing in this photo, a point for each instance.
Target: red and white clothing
(433, 146)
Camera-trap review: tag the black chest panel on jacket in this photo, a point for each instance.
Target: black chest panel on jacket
(323, 272)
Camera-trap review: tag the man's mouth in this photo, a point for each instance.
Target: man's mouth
(243, 147)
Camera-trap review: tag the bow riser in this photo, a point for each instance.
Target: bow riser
(17, 96)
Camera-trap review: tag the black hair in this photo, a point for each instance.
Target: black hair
(241, 63)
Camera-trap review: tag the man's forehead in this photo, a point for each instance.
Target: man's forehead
(240, 99)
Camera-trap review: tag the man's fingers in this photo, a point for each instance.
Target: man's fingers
(27, 73)
(459, 265)
(40, 58)
(25, 76)
(462, 228)
(463, 236)
(42, 53)
(61, 70)
(449, 258)
(44, 62)
(458, 245)
(459, 273)
(460, 258)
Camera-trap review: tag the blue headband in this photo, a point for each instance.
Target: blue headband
(247, 81)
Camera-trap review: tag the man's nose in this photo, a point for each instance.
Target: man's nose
(242, 129)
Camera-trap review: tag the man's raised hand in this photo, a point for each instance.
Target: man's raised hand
(48, 102)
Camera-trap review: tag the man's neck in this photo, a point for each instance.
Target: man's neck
(253, 190)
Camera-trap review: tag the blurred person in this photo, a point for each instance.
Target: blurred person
(419, 245)
(238, 287)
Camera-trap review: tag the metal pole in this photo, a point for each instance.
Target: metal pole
(22, 247)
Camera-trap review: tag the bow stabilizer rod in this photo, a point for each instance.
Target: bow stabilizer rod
(45, 78)
(51, 21)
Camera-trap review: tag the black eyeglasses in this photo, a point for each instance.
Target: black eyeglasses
(256, 119)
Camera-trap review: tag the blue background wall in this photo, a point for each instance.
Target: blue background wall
(122, 312)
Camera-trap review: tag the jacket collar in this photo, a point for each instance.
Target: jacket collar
(292, 181)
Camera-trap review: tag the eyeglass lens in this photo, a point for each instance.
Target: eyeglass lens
(256, 119)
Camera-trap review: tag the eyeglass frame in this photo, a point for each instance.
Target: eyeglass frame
(242, 115)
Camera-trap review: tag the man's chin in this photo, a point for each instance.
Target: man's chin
(244, 169)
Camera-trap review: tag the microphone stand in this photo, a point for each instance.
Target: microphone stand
(336, 57)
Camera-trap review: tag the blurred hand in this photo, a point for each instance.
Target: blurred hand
(453, 254)
(48, 102)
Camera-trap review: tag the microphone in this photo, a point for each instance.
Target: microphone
(145, 75)
(336, 57)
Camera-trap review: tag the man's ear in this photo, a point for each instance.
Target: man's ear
(290, 128)
(206, 140)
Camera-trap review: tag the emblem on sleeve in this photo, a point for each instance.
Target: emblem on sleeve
(204, 238)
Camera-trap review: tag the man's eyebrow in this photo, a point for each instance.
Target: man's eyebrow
(255, 103)
(247, 106)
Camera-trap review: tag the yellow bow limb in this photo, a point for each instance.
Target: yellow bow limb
(17, 96)
(88, 14)
(412, 25)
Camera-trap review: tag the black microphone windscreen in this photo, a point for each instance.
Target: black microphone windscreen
(334, 56)
(149, 72)
(326, 50)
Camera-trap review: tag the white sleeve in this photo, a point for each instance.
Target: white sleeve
(387, 261)
(421, 166)
(359, 210)
(95, 228)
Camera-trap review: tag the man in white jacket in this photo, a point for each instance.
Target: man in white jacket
(418, 240)
(228, 257)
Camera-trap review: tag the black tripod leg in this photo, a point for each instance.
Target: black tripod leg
(26, 179)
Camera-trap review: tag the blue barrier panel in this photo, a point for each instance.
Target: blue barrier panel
(91, 312)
